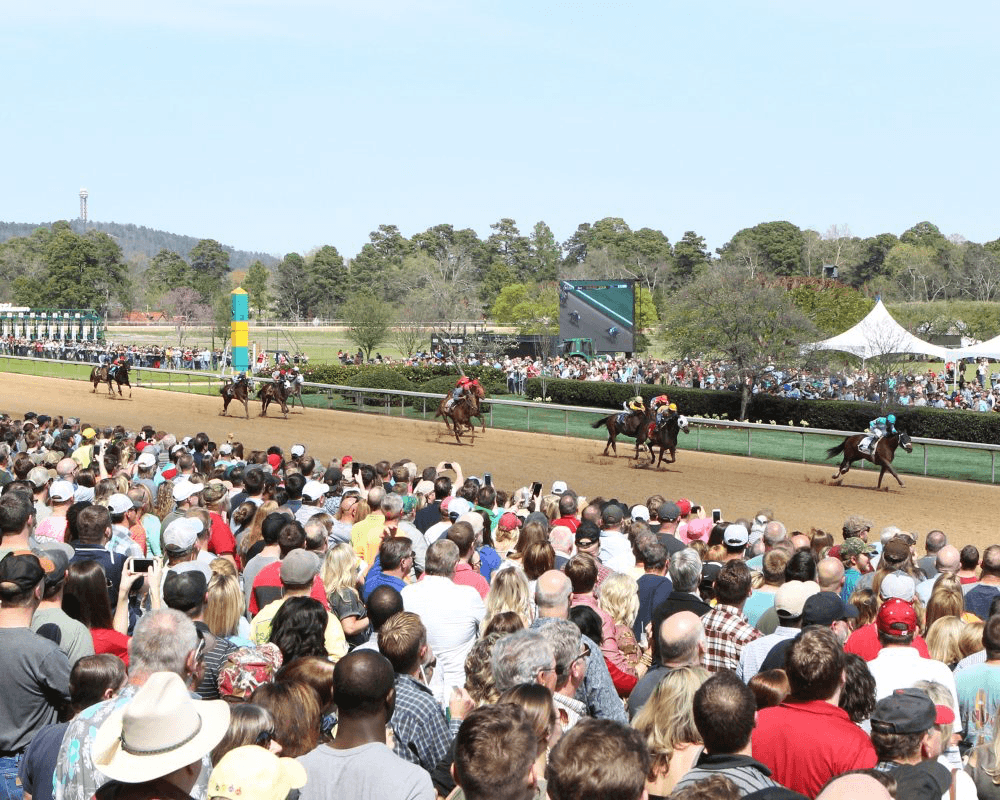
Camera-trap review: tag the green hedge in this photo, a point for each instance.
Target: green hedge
(931, 423)
(340, 375)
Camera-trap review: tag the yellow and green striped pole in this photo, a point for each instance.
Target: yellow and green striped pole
(240, 330)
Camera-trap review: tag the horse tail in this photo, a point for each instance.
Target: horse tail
(836, 451)
(599, 423)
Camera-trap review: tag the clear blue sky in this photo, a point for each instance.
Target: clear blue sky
(280, 126)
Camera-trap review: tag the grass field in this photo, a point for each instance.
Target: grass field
(943, 462)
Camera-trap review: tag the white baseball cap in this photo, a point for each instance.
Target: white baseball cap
(184, 489)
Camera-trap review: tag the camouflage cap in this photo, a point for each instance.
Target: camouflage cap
(855, 547)
(855, 524)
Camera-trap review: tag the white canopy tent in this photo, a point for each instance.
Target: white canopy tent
(988, 349)
(879, 334)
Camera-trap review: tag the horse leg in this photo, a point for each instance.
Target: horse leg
(887, 467)
(225, 405)
(246, 407)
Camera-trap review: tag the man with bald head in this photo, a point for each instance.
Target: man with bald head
(801, 542)
(830, 575)
(932, 546)
(947, 562)
(774, 533)
(597, 691)
(682, 644)
(854, 785)
(358, 763)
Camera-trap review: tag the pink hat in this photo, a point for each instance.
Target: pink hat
(697, 529)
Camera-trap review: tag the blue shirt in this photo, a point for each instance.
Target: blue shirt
(978, 599)
(376, 578)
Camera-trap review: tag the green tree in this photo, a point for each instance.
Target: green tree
(545, 253)
(454, 259)
(533, 308)
(691, 256)
(870, 262)
(774, 247)
(167, 270)
(577, 246)
(291, 287)
(369, 322)
(832, 307)
(210, 265)
(326, 281)
(918, 272)
(728, 314)
(378, 266)
(255, 284)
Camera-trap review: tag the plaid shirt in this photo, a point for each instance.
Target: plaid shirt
(422, 734)
(726, 631)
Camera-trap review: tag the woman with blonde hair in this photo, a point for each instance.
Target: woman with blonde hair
(531, 533)
(667, 722)
(620, 600)
(549, 506)
(947, 600)
(944, 640)
(509, 591)
(224, 604)
(340, 577)
(971, 639)
(163, 504)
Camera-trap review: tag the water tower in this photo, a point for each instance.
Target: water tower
(83, 206)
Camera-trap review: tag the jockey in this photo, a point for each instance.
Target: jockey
(635, 404)
(659, 405)
(879, 427)
(464, 384)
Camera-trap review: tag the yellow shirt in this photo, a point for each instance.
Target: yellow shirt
(334, 639)
(83, 455)
(366, 537)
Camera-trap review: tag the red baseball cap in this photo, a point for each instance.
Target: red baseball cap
(274, 460)
(345, 461)
(685, 506)
(897, 618)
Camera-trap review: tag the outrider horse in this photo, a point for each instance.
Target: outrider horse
(624, 423)
(238, 390)
(463, 411)
(885, 451)
(664, 435)
(276, 392)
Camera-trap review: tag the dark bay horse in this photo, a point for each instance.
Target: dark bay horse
(624, 423)
(276, 392)
(238, 390)
(664, 434)
(467, 408)
(885, 451)
(108, 374)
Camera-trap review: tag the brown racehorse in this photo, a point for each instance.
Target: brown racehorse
(885, 451)
(624, 423)
(664, 435)
(108, 374)
(275, 392)
(238, 390)
(463, 411)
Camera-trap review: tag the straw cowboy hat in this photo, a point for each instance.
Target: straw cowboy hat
(160, 731)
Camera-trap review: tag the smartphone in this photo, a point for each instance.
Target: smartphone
(536, 489)
(487, 479)
(139, 565)
(716, 515)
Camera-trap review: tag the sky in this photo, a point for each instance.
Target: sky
(283, 126)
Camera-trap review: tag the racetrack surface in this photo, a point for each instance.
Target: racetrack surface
(801, 495)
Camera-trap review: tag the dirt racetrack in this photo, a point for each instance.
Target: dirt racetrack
(802, 496)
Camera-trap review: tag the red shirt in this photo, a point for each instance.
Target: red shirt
(806, 744)
(864, 642)
(465, 575)
(570, 522)
(221, 541)
(110, 641)
(270, 577)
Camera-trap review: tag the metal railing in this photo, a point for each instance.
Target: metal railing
(394, 402)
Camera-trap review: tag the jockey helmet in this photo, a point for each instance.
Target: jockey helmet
(672, 407)
(891, 418)
(464, 381)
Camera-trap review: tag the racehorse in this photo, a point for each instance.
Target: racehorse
(273, 392)
(238, 390)
(625, 423)
(107, 374)
(664, 434)
(463, 411)
(885, 450)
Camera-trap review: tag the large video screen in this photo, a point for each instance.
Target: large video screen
(603, 311)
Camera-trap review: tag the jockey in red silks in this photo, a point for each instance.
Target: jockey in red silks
(464, 384)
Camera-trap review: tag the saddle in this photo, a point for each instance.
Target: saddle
(865, 445)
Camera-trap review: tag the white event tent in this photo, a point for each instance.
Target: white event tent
(879, 334)
(987, 349)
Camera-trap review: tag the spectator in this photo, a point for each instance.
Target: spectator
(682, 644)
(392, 565)
(977, 599)
(864, 641)
(685, 574)
(855, 556)
(770, 688)
(789, 602)
(295, 707)
(50, 620)
(654, 585)
(808, 739)
(249, 724)
(523, 657)
(946, 562)
(724, 712)
(571, 657)
(340, 577)
(773, 568)
(932, 546)
(252, 773)
(486, 772)
(726, 629)
(383, 603)
(978, 690)
(509, 593)
(857, 697)
(357, 763)
(667, 722)
(599, 760)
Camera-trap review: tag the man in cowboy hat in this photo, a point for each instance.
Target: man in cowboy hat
(157, 741)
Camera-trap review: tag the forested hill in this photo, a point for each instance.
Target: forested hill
(138, 240)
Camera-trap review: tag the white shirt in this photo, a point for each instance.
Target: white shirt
(616, 552)
(452, 615)
(901, 667)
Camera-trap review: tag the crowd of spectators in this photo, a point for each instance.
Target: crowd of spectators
(181, 618)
